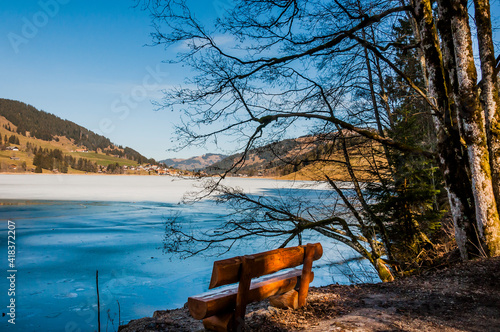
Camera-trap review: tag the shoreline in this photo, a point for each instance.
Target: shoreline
(157, 175)
(281, 178)
(164, 175)
(463, 297)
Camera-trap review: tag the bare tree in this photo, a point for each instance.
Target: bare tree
(291, 63)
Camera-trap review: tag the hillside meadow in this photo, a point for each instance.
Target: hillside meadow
(62, 143)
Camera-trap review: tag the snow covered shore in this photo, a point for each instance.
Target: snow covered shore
(164, 189)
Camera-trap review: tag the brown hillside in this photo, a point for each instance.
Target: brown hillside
(12, 161)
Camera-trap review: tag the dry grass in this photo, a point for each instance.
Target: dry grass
(362, 158)
(64, 144)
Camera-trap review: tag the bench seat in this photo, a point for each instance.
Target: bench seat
(241, 280)
(215, 301)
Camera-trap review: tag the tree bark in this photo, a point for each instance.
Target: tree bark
(472, 118)
(452, 162)
(383, 271)
(489, 90)
(460, 193)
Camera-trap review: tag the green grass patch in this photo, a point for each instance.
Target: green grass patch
(102, 159)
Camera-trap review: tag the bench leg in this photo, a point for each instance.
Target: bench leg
(242, 296)
(219, 323)
(306, 277)
(286, 300)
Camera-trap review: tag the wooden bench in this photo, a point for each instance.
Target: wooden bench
(223, 309)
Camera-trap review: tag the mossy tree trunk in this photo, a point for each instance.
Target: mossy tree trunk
(453, 162)
(465, 229)
(489, 89)
(472, 117)
(468, 138)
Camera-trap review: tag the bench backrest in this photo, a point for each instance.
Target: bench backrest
(227, 271)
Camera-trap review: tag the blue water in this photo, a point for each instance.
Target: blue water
(61, 244)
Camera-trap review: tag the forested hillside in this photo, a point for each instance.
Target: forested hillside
(42, 125)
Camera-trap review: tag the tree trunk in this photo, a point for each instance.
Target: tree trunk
(474, 131)
(452, 162)
(489, 90)
(383, 271)
(465, 231)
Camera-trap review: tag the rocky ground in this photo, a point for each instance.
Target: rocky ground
(465, 297)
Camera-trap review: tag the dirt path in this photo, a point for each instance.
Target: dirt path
(463, 298)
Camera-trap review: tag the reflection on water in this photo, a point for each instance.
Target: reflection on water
(60, 245)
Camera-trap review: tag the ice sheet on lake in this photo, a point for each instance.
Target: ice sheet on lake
(115, 188)
(115, 224)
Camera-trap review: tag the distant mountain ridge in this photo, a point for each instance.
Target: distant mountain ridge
(307, 157)
(279, 156)
(194, 163)
(42, 125)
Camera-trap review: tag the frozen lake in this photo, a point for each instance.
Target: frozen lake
(69, 226)
(119, 188)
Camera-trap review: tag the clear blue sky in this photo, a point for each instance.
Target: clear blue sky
(85, 61)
